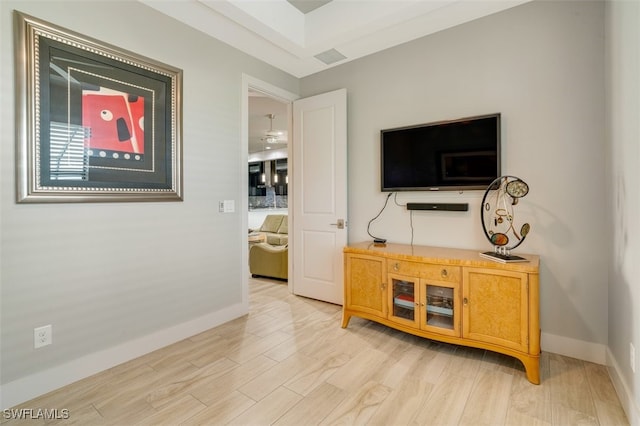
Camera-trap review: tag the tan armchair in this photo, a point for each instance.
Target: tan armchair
(269, 261)
(275, 229)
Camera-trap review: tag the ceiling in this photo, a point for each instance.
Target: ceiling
(302, 37)
(306, 6)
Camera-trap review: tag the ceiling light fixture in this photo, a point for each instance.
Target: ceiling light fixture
(272, 136)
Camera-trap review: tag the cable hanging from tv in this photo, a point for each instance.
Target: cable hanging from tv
(377, 239)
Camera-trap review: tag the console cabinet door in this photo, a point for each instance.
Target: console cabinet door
(365, 288)
(440, 307)
(495, 307)
(404, 300)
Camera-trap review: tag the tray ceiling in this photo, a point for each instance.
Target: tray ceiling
(338, 31)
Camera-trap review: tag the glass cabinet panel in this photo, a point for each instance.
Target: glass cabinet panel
(440, 307)
(404, 296)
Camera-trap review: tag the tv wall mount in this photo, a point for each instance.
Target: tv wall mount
(497, 214)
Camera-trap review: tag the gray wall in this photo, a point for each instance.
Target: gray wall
(542, 66)
(104, 274)
(623, 194)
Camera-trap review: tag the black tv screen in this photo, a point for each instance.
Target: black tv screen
(461, 154)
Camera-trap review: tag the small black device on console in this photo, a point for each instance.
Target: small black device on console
(452, 207)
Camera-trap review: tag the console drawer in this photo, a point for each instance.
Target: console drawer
(433, 272)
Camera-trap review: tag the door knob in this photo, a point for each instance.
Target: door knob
(340, 224)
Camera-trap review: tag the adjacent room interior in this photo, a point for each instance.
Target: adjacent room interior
(268, 186)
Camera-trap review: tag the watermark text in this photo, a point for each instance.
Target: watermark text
(35, 413)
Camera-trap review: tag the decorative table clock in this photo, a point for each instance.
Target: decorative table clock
(498, 219)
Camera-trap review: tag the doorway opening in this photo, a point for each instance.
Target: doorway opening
(268, 157)
(267, 123)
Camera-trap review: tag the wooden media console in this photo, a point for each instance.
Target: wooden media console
(450, 295)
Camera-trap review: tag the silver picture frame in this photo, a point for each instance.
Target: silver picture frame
(94, 123)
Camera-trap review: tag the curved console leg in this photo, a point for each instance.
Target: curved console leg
(532, 368)
(345, 319)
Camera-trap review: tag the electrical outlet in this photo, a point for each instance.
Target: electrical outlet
(42, 336)
(632, 357)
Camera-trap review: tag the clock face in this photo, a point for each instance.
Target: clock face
(517, 188)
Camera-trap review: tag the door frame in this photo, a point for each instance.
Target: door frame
(286, 97)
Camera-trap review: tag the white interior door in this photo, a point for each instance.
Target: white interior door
(319, 195)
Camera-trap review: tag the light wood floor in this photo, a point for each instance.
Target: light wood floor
(289, 363)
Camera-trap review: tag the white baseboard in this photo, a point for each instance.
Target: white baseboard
(625, 395)
(586, 351)
(599, 354)
(32, 386)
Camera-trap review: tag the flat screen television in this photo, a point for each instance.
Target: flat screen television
(462, 154)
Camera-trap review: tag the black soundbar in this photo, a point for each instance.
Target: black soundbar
(451, 207)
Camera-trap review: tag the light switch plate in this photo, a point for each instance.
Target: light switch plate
(229, 206)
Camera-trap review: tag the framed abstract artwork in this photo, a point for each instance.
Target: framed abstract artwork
(93, 122)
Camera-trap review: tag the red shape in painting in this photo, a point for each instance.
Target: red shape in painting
(115, 120)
